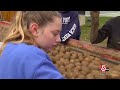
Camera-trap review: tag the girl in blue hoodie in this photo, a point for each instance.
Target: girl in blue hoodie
(22, 55)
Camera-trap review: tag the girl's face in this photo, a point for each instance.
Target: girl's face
(49, 36)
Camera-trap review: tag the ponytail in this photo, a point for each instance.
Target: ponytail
(16, 31)
(19, 25)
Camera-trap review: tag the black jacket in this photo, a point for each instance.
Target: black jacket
(110, 29)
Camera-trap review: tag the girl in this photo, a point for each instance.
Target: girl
(22, 55)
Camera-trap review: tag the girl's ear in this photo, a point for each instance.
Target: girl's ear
(34, 29)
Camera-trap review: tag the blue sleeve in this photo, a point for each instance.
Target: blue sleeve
(47, 70)
(72, 28)
(37, 65)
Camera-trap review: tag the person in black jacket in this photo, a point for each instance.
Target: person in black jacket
(70, 26)
(110, 29)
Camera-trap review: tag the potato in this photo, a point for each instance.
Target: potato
(93, 66)
(85, 69)
(62, 50)
(72, 65)
(61, 54)
(101, 76)
(74, 56)
(69, 67)
(75, 74)
(88, 59)
(59, 63)
(67, 49)
(54, 53)
(91, 57)
(117, 67)
(80, 54)
(62, 47)
(72, 61)
(75, 70)
(67, 53)
(66, 62)
(69, 70)
(64, 74)
(83, 72)
(62, 59)
(95, 72)
(97, 63)
(114, 74)
(85, 63)
(77, 64)
(78, 68)
(90, 76)
(58, 56)
(98, 74)
(81, 76)
(76, 60)
(61, 69)
(69, 75)
(80, 58)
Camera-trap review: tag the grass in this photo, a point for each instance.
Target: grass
(85, 29)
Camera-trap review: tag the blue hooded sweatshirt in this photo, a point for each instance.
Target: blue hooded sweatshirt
(22, 61)
(70, 25)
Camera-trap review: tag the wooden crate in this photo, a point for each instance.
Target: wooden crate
(105, 53)
(8, 15)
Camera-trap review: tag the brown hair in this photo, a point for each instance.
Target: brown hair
(19, 29)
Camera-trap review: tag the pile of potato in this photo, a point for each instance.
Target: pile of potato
(81, 65)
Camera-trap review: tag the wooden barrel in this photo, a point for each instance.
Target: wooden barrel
(8, 15)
